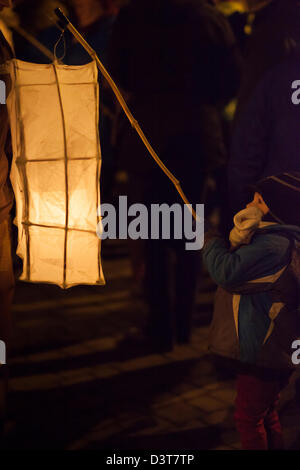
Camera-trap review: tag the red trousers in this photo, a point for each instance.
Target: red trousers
(255, 415)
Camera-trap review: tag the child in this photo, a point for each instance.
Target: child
(256, 315)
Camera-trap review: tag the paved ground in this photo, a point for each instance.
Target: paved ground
(75, 385)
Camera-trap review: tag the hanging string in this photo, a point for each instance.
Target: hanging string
(62, 36)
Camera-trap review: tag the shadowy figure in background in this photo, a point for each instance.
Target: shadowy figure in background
(266, 137)
(94, 19)
(238, 19)
(37, 19)
(6, 202)
(215, 195)
(177, 63)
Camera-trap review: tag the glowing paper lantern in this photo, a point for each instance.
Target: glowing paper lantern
(56, 171)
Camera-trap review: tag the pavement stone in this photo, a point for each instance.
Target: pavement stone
(207, 403)
(183, 387)
(41, 382)
(226, 395)
(179, 413)
(104, 371)
(192, 394)
(224, 448)
(220, 417)
(230, 437)
(144, 362)
(72, 377)
(181, 353)
(158, 426)
(166, 398)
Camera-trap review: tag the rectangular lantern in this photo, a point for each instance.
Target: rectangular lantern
(54, 114)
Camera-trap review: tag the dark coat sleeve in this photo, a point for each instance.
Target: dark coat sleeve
(249, 148)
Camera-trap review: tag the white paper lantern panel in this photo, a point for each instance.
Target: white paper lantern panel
(54, 113)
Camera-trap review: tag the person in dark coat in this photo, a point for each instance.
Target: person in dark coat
(6, 202)
(178, 63)
(266, 136)
(94, 20)
(238, 18)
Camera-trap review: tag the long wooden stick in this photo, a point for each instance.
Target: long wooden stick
(65, 23)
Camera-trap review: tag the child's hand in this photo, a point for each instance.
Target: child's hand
(245, 224)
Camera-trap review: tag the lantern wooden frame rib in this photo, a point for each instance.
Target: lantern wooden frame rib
(67, 265)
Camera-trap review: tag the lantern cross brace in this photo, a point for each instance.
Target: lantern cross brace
(64, 23)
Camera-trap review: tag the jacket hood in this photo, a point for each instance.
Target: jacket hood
(291, 231)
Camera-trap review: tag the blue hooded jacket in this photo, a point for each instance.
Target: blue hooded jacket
(258, 293)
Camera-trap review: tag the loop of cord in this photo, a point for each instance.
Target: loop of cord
(62, 36)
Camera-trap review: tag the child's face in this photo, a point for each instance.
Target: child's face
(259, 203)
